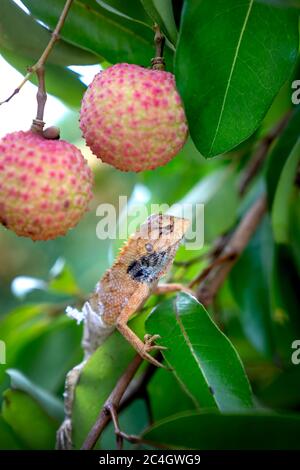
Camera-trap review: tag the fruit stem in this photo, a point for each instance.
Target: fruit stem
(158, 62)
(41, 96)
(42, 60)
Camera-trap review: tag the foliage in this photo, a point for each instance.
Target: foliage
(232, 384)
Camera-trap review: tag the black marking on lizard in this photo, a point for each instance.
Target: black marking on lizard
(148, 267)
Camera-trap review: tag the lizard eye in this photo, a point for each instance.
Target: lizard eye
(149, 247)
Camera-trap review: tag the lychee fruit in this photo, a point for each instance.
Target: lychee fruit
(45, 185)
(133, 118)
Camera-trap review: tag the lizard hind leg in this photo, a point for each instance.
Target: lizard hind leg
(64, 433)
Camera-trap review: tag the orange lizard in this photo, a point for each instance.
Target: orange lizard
(123, 289)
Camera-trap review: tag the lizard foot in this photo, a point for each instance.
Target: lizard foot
(149, 340)
(64, 436)
(148, 347)
(122, 436)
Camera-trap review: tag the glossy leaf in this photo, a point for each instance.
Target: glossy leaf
(95, 29)
(132, 10)
(28, 420)
(229, 71)
(231, 431)
(280, 153)
(166, 396)
(32, 38)
(162, 14)
(204, 361)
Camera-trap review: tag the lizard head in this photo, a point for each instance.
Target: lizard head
(154, 246)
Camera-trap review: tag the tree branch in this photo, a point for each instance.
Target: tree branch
(111, 404)
(234, 247)
(42, 60)
(260, 154)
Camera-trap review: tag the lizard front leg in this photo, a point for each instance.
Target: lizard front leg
(143, 348)
(172, 287)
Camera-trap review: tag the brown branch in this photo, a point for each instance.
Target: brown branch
(216, 262)
(236, 244)
(256, 161)
(42, 60)
(111, 404)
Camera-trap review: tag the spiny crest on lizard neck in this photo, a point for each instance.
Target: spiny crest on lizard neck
(151, 249)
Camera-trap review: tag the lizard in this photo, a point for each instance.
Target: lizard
(120, 293)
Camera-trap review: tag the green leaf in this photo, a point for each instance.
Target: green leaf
(42, 346)
(98, 378)
(20, 33)
(212, 431)
(280, 153)
(95, 29)
(204, 361)
(286, 189)
(8, 439)
(28, 420)
(62, 279)
(250, 282)
(162, 14)
(231, 67)
(166, 396)
(52, 405)
(132, 10)
(285, 301)
(61, 82)
(215, 191)
(283, 391)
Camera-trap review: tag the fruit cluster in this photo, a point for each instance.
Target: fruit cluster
(131, 117)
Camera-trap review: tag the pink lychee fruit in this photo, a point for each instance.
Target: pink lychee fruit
(45, 185)
(133, 118)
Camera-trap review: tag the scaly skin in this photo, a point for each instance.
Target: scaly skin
(120, 293)
(133, 118)
(45, 185)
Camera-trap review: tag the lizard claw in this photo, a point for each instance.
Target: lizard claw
(145, 355)
(149, 340)
(149, 346)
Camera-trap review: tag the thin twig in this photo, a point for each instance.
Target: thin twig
(236, 244)
(260, 154)
(138, 388)
(216, 262)
(38, 122)
(158, 62)
(42, 60)
(111, 403)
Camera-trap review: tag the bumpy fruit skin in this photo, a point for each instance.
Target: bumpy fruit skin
(133, 118)
(45, 185)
